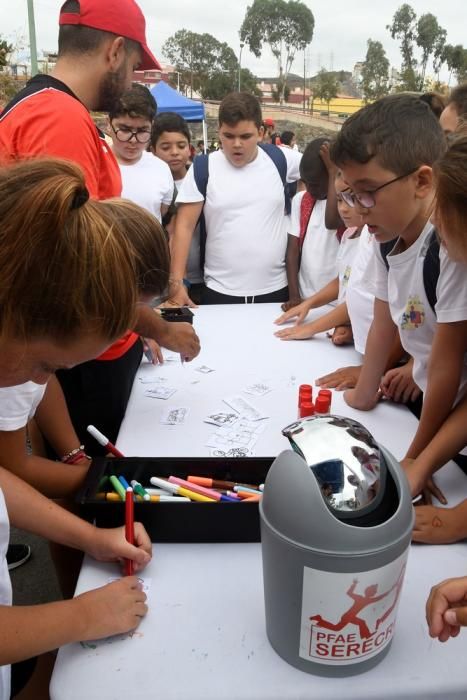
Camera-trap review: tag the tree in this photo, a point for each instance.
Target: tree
(198, 57)
(375, 72)
(403, 28)
(456, 60)
(219, 84)
(439, 54)
(428, 34)
(5, 50)
(325, 87)
(286, 27)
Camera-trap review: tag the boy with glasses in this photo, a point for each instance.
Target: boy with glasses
(146, 179)
(386, 152)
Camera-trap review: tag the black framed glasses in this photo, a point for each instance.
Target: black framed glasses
(124, 134)
(367, 199)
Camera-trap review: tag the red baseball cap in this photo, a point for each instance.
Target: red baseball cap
(120, 17)
(269, 122)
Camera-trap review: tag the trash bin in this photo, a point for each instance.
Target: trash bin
(336, 521)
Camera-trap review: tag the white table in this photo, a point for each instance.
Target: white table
(204, 637)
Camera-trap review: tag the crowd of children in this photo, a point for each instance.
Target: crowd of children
(372, 224)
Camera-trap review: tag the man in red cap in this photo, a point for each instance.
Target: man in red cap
(99, 46)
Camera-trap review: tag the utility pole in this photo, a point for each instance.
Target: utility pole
(304, 80)
(32, 37)
(240, 66)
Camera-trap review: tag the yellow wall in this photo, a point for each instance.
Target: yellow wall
(338, 105)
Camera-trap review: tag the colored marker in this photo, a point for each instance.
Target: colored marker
(148, 354)
(165, 498)
(129, 528)
(201, 489)
(251, 499)
(124, 482)
(102, 440)
(117, 485)
(246, 489)
(138, 489)
(215, 483)
(179, 490)
(245, 495)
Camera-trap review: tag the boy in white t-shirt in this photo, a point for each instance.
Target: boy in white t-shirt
(338, 318)
(146, 180)
(311, 247)
(170, 141)
(243, 211)
(386, 152)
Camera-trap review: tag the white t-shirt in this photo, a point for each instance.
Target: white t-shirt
(5, 588)
(246, 234)
(148, 182)
(345, 257)
(359, 298)
(293, 163)
(404, 289)
(194, 272)
(318, 264)
(18, 404)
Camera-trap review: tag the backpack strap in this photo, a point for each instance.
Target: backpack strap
(280, 161)
(201, 174)
(431, 265)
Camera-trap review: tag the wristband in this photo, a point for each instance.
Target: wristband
(74, 455)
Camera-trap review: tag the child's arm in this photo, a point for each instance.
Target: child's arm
(378, 347)
(328, 293)
(54, 422)
(187, 218)
(446, 608)
(292, 264)
(444, 374)
(179, 337)
(337, 317)
(53, 479)
(450, 439)
(26, 631)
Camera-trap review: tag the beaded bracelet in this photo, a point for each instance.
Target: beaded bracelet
(74, 455)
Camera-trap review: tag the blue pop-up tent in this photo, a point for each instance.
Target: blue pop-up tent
(169, 100)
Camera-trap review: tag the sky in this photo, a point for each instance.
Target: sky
(339, 40)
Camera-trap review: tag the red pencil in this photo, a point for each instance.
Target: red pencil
(104, 441)
(129, 528)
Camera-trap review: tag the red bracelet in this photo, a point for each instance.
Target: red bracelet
(74, 456)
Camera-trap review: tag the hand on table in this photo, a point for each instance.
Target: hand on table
(446, 608)
(178, 296)
(419, 482)
(342, 335)
(398, 384)
(154, 349)
(438, 525)
(298, 312)
(344, 378)
(296, 332)
(180, 337)
(115, 608)
(109, 544)
(287, 305)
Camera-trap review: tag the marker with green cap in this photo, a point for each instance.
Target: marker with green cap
(118, 487)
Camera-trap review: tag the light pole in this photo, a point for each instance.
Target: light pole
(32, 37)
(240, 66)
(178, 80)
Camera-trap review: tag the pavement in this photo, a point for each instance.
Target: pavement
(35, 581)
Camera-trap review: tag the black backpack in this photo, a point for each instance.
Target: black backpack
(430, 265)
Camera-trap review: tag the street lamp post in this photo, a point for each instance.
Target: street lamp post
(240, 66)
(32, 37)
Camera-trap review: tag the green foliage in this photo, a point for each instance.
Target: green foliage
(455, 58)
(375, 72)
(286, 27)
(9, 86)
(5, 50)
(282, 92)
(325, 87)
(198, 58)
(403, 27)
(428, 37)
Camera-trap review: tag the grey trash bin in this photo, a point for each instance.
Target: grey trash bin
(336, 522)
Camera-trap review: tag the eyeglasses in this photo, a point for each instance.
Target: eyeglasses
(367, 199)
(124, 133)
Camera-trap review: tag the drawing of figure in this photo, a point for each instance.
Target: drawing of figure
(350, 617)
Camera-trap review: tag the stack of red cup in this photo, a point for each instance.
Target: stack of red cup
(323, 401)
(305, 400)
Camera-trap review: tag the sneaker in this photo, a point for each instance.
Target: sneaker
(17, 554)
